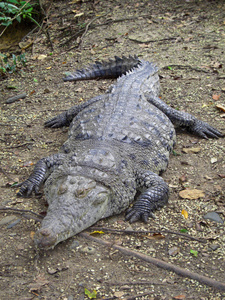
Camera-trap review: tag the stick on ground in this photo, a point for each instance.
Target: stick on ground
(159, 263)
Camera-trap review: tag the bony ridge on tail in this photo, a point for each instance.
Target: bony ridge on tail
(118, 146)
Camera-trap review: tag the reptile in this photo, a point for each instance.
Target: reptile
(117, 148)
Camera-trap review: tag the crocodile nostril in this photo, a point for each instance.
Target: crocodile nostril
(45, 232)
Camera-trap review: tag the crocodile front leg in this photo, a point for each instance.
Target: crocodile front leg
(65, 118)
(42, 170)
(185, 120)
(155, 193)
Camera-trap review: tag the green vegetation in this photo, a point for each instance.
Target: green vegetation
(11, 64)
(11, 10)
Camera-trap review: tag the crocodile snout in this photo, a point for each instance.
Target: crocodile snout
(45, 238)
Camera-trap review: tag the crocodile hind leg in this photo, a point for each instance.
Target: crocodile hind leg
(65, 118)
(154, 195)
(42, 170)
(185, 120)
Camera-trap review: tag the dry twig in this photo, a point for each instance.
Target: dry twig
(146, 232)
(159, 263)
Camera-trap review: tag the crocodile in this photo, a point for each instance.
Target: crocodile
(117, 148)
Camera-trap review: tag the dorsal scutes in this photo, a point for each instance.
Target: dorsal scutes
(113, 68)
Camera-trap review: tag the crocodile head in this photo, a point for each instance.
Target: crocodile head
(75, 203)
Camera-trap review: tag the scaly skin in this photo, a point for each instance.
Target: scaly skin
(118, 145)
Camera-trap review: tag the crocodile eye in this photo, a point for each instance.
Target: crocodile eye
(81, 193)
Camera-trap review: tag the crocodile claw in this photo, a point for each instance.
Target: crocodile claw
(26, 188)
(134, 214)
(204, 130)
(58, 121)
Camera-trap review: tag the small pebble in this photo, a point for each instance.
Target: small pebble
(75, 244)
(88, 250)
(214, 246)
(174, 251)
(13, 224)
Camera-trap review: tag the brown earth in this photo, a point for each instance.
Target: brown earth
(189, 38)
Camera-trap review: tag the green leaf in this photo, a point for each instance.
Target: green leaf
(8, 6)
(194, 252)
(89, 294)
(175, 153)
(6, 23)
(184, 230)
(35, 80)
(170, 68)
(18, 18)
(2, 69)
(13, 1)
(14, 59)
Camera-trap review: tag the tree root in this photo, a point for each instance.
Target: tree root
(159, 263)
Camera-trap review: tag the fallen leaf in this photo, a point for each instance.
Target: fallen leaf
(155, 236)
(90, 295)
(41, 56)
(208, 177)
(32, 233)
(191, 194)
(216, 97)
(97, 232)
(179, 297)
(191, 150)
(118, 294)
(39, 281)
(184, 213)
(183, 178)
(184, 230)
(194, 252)
(221, 107)
(79, 15)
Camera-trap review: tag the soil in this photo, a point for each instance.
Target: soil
(186, 39)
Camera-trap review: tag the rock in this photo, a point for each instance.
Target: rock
(173, 251)
(214, 246)
(7, 220)
(75, 244)
(213, 216)
(88, 250)
(13, 223)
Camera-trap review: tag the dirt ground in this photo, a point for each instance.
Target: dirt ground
(186, 39)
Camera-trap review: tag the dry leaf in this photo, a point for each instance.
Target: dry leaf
(41, 56)
(183, 178)
(39, 282)
(191, 194)
(219, 106)
(191, 150)
(179, 297)
(79, 15)
(184, 213)
(216, 97)
(32, 233)
(97, 232)
(155, 236)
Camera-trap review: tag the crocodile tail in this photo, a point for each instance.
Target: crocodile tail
(113, 68)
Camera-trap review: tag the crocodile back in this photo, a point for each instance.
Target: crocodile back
(124, 115)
